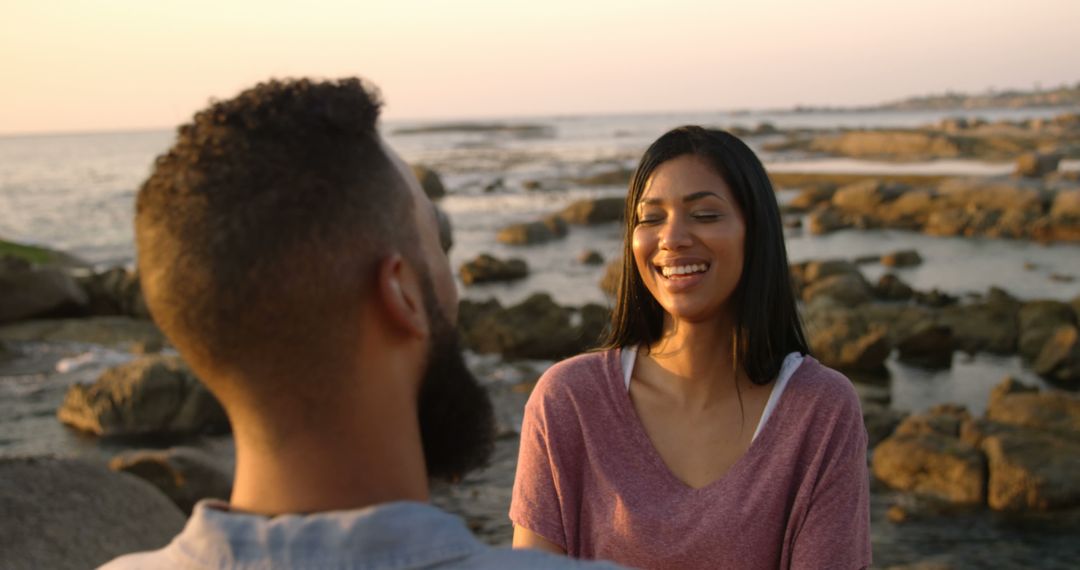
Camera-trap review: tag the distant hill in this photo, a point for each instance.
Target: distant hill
(1062, 96)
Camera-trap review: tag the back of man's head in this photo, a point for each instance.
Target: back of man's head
(263, 222)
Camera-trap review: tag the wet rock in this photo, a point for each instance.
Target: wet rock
(184, 474)
(609, 283)
(1059, 359)
(69, 513)
(930, 464)
(28, 292)
(429, 181)
(590, 257)
(615, 177)
(929, 347)
(841, 338)
(903, 258)
(486, 268)
(531, 233)
(1038, 321)
(825, 220)
(934, 298)
(946, 222)
(154, 395)
(810, 198)
(897, 144)
(1037, 164)
(594, 211)
(1032, 470)
(900, 321)
(910, 210)
(891, 288)
(943, 420)
(849, 290)
(1066, 207)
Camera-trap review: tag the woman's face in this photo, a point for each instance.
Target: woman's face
(688, 240)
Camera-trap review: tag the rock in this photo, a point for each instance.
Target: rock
(1059, 359)
(616, 177)
(942, 420)
(184, 474)
(590, 257)
(535, 328)
(905, 145)
(825, 220)
(930, 347)
(153, 395)
(1016, 405)
(594, 211)
(108, 331)
(1032, 470)
(485, 269)
(865, 197)
(816, 270)
(809, 198)
(530, 233)
(27, 292)
(899, 321)
(1038, 322)
(609, 283)
(934, 465)
(934, 298)
(890, 288)
(429, 181)
(1036, 164)
(115, 292)
(946, 222)
(841, 338)
(904, 258)
(849, 290)
(880, 422)
(1066, 207)
(37, 256)
(69, 513)
(982, 327)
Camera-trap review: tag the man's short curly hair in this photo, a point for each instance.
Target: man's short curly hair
(261, 226)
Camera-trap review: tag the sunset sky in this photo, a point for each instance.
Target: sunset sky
(123, 64)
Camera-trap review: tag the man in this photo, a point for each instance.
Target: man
(293, 260)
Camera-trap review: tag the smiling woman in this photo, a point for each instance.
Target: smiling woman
(705, 435)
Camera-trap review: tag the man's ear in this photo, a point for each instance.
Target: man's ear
(400, 294)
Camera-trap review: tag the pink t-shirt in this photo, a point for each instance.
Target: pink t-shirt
(590, 480)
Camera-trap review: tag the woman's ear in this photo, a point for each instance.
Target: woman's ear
(401, 296)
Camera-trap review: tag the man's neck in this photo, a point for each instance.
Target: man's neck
(369, 456)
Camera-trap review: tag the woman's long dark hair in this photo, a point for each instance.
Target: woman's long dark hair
(767, 325)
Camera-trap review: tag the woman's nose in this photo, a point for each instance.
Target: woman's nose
(673, 235)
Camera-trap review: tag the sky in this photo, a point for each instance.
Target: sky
(69, 65)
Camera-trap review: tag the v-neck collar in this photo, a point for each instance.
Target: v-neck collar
(636, 430)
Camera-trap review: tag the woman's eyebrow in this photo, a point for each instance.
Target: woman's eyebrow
(687, 198)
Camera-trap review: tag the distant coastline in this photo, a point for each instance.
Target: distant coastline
(1061, 96)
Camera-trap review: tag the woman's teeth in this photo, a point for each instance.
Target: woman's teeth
(683, 269)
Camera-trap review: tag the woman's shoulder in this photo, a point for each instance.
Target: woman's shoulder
(824, 390)
(582, 373)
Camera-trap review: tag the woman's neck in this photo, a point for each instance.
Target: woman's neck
(696, 362)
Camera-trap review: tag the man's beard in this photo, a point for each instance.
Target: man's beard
(457, 423)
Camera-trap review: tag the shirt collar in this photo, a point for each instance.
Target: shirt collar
(387, 536)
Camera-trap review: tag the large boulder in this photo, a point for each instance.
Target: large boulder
(1031, 470)
(535, 328)
(903, 145)
(184, 474)
(429, 181)
(485, 269)
(27, 292)
(891, 288)
(820, 269)
(115, 291)
(68, 513)
(594, 211)
(1038, 322)
(1065, 208)
(1020, 406)
(825, 220)
(154, 395)
(910, 210)
(931, 464)
(531, 233)
(842, 338)
(865, 197)
(987, 326)
(902, 258)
